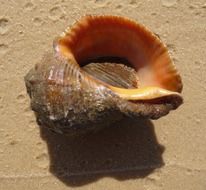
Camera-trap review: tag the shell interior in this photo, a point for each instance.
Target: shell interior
(94, 37)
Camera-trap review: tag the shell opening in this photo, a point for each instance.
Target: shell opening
(97, 37)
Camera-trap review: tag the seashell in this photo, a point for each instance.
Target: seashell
(102, 69)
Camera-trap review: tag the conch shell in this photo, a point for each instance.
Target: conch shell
(67, 93)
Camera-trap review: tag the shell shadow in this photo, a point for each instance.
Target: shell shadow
(127, 149)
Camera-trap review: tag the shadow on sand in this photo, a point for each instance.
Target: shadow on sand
(127, 149)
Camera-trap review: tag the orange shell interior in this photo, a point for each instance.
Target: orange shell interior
(112, 36)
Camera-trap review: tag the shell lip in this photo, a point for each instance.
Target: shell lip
(67, 46)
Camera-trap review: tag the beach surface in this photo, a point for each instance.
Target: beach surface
(165, 154)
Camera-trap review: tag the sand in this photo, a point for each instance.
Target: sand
(165, 154)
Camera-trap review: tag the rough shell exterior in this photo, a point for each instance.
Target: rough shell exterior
(66, 98)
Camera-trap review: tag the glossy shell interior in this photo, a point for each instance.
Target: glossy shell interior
(94, 37)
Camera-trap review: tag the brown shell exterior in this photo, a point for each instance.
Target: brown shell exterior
(65, 97)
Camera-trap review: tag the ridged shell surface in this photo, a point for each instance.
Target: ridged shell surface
(69, 92)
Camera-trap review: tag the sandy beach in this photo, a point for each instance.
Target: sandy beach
(164, 154)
